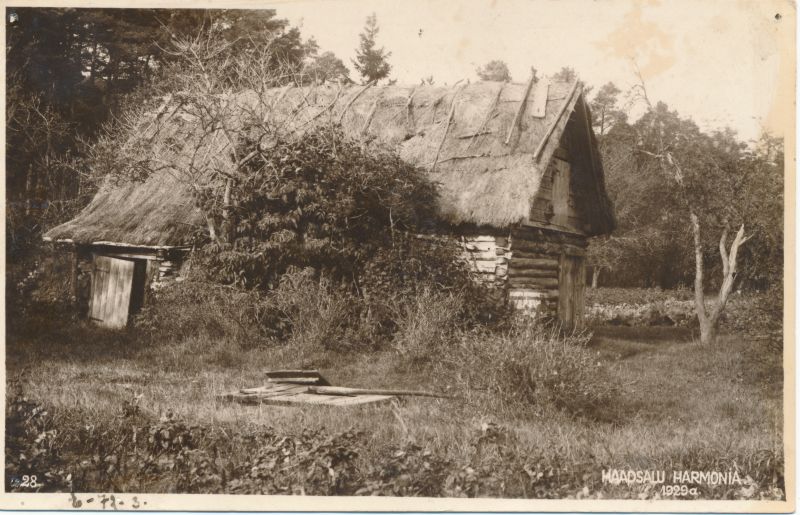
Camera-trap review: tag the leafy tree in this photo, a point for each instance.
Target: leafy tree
(566, 74)
(319, 201)
(495, 70)
(651, 243)
(371, 62)
(326, 68)
(614, 139)
(708, 185)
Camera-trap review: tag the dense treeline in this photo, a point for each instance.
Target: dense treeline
(662, 167)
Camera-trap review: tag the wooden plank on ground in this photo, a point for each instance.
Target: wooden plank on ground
(307, 377)
(272, 388)
(359, 399)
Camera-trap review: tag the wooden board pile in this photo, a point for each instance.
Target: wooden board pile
(297, 387)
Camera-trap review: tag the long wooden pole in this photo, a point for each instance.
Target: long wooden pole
(342, 390)
(522, 105)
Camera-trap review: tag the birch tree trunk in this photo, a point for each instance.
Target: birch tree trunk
(709, 318)
(595, 276)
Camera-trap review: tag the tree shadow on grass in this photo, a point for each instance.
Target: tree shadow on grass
(53, 331)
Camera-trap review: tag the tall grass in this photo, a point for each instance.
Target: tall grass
(425, 325)
(533, 367)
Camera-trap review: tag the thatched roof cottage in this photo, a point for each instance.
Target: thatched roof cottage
(517, 165)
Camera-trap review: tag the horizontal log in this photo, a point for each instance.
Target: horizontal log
(547, 247)
(526, 254)
(543, 282)
(532, 272)
(545, 264)
(538, 246)
(548, 235)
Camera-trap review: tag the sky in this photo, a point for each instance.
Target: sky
(720, 62)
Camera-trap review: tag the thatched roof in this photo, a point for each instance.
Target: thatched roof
(486, 150)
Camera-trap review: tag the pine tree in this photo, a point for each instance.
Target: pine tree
(371, 62)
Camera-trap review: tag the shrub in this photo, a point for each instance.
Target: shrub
(135, 453)
(195, 307)
(30, 444)
(760, 316)
(408, 471)
(532, 364)
(322, 200)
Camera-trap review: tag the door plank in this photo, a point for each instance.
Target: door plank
(123, 289)
(111, 291)
(99, 286)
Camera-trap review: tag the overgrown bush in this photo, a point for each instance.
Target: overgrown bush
(532, 365)
(321, 200)
(38, 282)
(325, 251)
(31, 443)
(759, 315)
(199, 308)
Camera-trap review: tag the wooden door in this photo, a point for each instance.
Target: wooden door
(112, 281)
(571, 284)
(561, 179)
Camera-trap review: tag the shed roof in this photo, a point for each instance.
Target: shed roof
(486, 144)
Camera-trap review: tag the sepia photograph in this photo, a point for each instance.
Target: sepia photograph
(425, 255)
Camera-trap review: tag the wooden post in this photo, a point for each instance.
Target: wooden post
(522, 105)
(449, 121)
(74, 290)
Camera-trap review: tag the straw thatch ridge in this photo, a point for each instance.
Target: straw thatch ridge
(487, 172)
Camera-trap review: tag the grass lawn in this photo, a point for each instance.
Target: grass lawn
(681, 407)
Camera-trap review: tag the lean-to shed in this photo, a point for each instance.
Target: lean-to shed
(519, 174)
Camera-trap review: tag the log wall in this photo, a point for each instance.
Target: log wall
(487, 257)
(535, 266)
(529, 265)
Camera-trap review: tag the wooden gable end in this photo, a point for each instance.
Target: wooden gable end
(568, 193)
